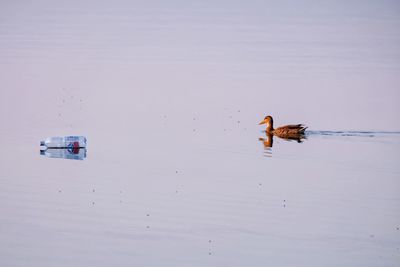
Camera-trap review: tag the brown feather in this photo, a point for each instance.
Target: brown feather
(289, 130)
(293, 126)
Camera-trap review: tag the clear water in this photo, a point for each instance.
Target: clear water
(169, 96)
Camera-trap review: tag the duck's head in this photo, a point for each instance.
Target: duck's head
(267, 120)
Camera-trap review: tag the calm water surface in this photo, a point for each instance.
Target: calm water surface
(178, 172)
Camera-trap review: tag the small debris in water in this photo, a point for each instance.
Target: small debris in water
(260, 184)
(92, 203)
(147, 227)
(176, 171)
(209, 253)
(209, 241)
(372, 236)
(59, 191)
(147, 215)
(93, 190)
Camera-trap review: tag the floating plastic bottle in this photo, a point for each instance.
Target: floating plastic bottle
(69, 153)
(68, 142)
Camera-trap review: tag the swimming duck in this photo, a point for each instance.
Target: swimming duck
(287, 131)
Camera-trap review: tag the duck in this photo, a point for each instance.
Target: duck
(292, 131)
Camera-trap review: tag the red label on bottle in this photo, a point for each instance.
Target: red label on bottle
(75, 148)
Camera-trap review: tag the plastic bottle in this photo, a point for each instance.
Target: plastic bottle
(69, 142)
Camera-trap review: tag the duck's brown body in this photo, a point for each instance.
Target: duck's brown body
(292, 131)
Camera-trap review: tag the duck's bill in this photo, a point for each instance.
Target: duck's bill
(262, 122)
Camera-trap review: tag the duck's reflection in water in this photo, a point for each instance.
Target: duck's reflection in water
(268, 141)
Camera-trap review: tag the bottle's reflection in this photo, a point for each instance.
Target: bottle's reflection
(71, 153)
(268, 141)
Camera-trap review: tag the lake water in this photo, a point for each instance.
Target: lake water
(177, 171)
